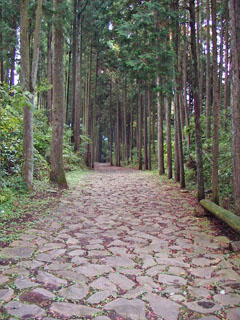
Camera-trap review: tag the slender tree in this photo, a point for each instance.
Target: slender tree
(28, 80)
(215, 152)
(57, 173)
(235, 99)
(198, 131)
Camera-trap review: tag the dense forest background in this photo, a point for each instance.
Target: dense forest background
(147, 84)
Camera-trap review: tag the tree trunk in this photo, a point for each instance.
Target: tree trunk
(93, 117)
(68, 72)
(28, 77)
(57, 173)
(149, 129)
(49, 75)
(74, 63)
(226, 84)
(145, 131)
(215, 151)
(125, 121)
(117, 138)
(13, 51)
(235, 100)
(131, 137)
(208, 76)
(153, 122)
(78, 92)
(139, 126)
(25, 80)
(1, 44)
(176, 142)
(160, 133)
(198, 132)
(89, 109)
(167, 106)
(111, 124)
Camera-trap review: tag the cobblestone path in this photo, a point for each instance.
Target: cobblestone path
(121, 246)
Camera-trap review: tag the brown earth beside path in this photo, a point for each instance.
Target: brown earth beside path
(122, 245)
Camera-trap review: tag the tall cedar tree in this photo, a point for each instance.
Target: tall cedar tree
(235, 99)
(57, 173)
(28, 80)
(195, 88)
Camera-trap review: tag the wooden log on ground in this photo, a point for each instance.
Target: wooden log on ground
(231, 219)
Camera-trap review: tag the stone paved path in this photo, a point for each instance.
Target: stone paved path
(120, 247)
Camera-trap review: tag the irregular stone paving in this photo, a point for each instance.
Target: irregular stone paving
(122, 245)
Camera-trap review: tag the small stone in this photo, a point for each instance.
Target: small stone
(203, 306)
(50, 280)
(121, 281)
(120, 262)
(202, 262)
(37, 295)
(79, 260)
(171, 280)
(3, 279)
(51, 246)
(68, 310)
(58, 266)
(77, 252)
(92, 270)
(17, 252)
(6, 295)
(198, 292)
(233, 314)
(134, 309)
(177, 298)
(24, 311)
(24, 283)
(103, 283)
(72, 241)
(74, 292)
(134, 293)
(17, 271)
(205, 273)
(72, 276)
(146, 281)
(100, 296)
(30, 264)
(163, 307)
(227, 299)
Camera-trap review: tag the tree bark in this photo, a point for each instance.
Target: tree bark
(117, 138)
(215, 150)
(49, 75)
(139, 126)
(208, 76)
(28, 78)
(145, 130)
(78, 92)
(74, 63)
(160, 133)
(235, 100)
(226, 83)
(125, 121)
(198, 132)
(176, 142)
(225, 215)
(149, 129)
(111, 124)
(167, 106)
(57, 173)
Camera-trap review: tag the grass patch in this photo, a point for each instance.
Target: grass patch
(22, 209)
